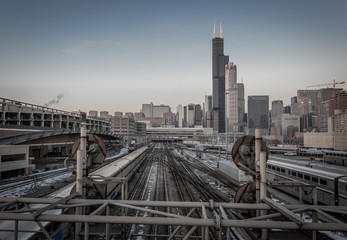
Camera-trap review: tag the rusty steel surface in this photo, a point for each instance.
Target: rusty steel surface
(243, 151)
(98, 153)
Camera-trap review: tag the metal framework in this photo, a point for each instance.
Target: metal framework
(73, 209)
(217, 223)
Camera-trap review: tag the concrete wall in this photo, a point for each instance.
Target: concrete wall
(338, 141)
(9, 151)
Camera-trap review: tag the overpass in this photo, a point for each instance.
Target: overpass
(54, 136)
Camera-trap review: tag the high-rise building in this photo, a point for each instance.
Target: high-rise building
(93, 113)
(207, 108)
(258, 114)
(304, 106)
(190, 115)
(118, 114)
(180, 116)
(276, 108)
(185, 116)
(294, 105)
(323, 95)
(287, 109)
(151, 110)
(104, 114)
(198, 115)
(235, 99)
(340, 103)
(218, 81)
(129, 114)
(305, 96)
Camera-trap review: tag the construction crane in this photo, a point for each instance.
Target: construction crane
(328, 84)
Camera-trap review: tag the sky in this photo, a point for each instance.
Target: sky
(117, 55)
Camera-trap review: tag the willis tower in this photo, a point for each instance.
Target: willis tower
(218, 78)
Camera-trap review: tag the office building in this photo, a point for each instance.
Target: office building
(276, 108)
(323, 95)
(151, 110)
(258, 114)
(287, 109)
(118, 114)
(207, 108)
(198, 115)
(104, 114)
(235, 100)
(294, 105)
(190, 115)
(129, 114)
(93, 113)
(180, 116)
(306, 96)
(218, 81)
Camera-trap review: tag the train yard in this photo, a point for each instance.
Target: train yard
(162, 191)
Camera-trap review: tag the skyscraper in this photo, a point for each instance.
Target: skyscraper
(218, 81)
(180, 116)
(207, 109)
(277, 108)
(258, 114)
(235, 100)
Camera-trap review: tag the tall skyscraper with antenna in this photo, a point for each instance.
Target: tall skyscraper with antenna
(218, 81)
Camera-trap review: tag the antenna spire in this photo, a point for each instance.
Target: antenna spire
(214, 29)
(221, 31)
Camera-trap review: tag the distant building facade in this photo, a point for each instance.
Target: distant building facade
(323, 95)
(218, 82)
(180, 116)
(276, 108)
(207, 109)
(93, 113)
(258, 114)
(235, 100)
(151, 110)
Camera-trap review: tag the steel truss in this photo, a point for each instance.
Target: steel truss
(39, 210)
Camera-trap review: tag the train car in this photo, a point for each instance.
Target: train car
(310, 152)
(122, 167)
(132, 147)
(335, 157)
(323, 179)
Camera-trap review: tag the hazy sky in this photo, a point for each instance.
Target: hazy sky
(116, 55)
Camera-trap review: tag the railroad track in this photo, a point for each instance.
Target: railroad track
(31, 181)
(168, 176)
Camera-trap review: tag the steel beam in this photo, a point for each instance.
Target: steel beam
(176, 221)
(284, 211)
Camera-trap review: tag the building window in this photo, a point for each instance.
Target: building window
(13, 157)
(300, 175)
(314, 179)
(306, 177)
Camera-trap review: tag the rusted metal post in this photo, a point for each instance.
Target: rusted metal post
(81, 172)
(86, 231)
(314, 212)
(16, 226)
(263, 188)
(107, 224)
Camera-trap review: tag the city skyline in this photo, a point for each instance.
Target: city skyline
(110, 56)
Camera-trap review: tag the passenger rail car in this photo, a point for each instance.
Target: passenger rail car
(323, 179)
(335, 157)
(122, 167)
